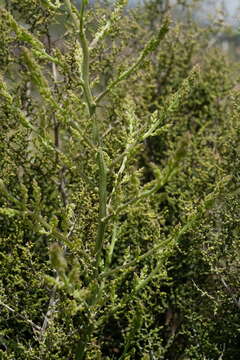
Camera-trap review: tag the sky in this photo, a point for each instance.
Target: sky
(232, 5)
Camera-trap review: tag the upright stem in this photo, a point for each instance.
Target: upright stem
(102, 205)
(53, 299)
(102, 186)
(97, 139)
(85, 65)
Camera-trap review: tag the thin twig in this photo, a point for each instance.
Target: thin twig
(230, 292)
(20, 316)
(63, 192)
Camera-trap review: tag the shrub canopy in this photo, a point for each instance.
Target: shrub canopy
(119, 165)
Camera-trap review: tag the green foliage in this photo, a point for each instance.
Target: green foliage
(119, 186)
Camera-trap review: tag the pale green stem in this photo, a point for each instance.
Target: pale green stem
(148, 48)
(161, 246)
(100, 156)
(134, 262)
(122, 77)
(78, 23)
(102, 221)
(154, 272)
(112, 245)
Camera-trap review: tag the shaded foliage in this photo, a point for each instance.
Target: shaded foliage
(119, 185)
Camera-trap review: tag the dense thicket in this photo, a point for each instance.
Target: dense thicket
(119, 165)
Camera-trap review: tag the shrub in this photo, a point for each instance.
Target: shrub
(119, 196)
